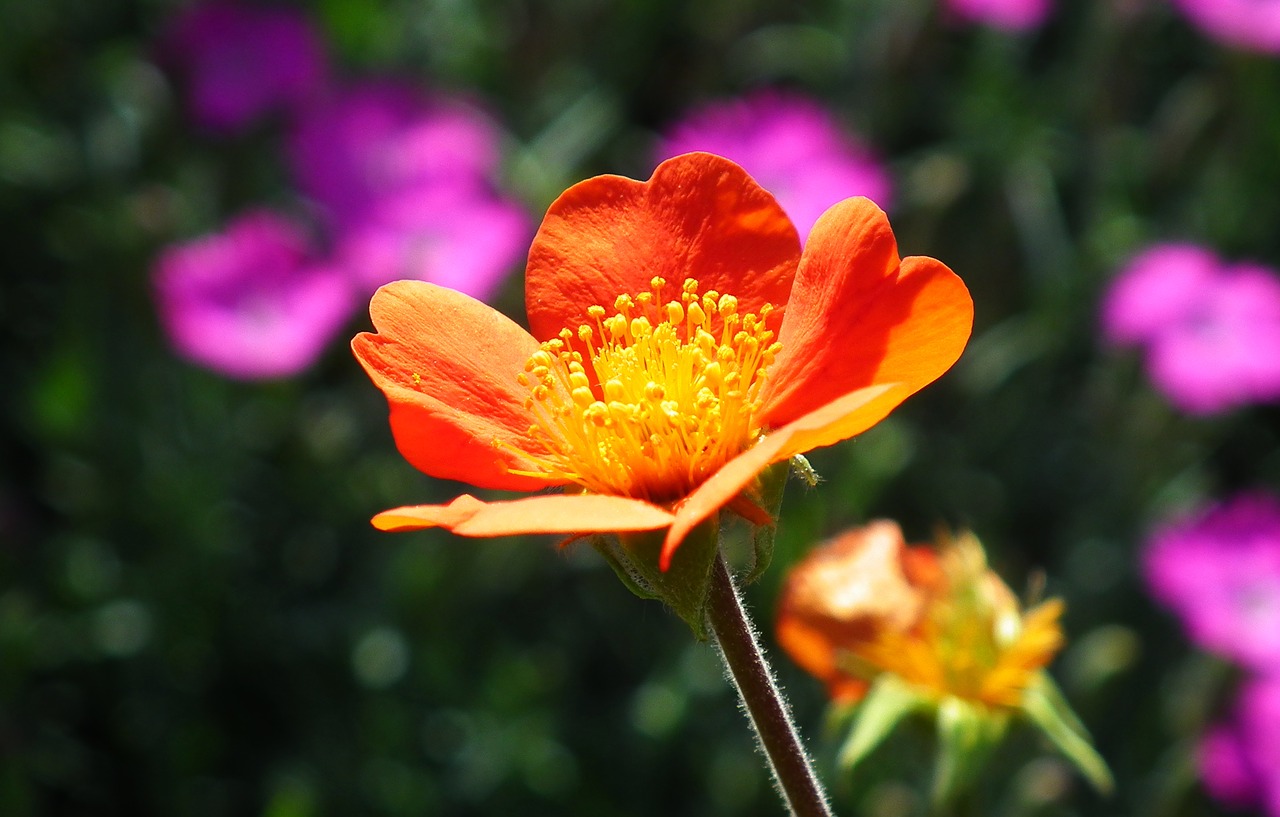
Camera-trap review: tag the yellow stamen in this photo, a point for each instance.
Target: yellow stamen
(971, 642)
(653, 399)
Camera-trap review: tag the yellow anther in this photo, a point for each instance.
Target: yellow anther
(675, 313)
(697, 317)
(712, 373)
(674, 402)
(614, 390)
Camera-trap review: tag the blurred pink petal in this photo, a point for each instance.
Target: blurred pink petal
(1239, 758)
(1252, 25)
(250, 302)
(1219, 572)
(1009, 15)
(243, 61)
(1211, 333)
(451, 236)
(1224, 768)
(384, 139)
(792, 146)
(1159, 288)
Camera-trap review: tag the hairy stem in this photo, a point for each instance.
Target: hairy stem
(765, 706)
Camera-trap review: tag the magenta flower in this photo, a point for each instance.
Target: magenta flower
(1252, 25)
(454, 237)
(403, 180)
(242, 62)
(792, 146)
(1009, 15)
(251, 302)
(1239, 758)
(1219, 572)
(1211, 332)
(379, 140)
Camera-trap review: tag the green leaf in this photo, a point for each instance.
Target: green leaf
(888, 701)
(770, 486)
(1046, 707)
(967, 735)
(684, 586)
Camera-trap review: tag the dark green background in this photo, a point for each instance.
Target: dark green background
(196, 618)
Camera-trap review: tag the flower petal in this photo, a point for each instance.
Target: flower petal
(858, 316)
(448, 364)
(545, 513)
(838, 420)
(699, 216)
(840, 595)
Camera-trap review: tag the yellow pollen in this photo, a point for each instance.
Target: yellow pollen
(652, 399)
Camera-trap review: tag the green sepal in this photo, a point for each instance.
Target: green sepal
(887, 703)
(684, 586)
(1045, 706)
(767, 495)
(967, 735)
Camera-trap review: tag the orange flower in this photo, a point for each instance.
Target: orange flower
(679, 344)
(940, 620)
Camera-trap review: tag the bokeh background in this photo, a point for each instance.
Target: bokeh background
(196, 617)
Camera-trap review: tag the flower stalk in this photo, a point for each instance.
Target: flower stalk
(766, 708)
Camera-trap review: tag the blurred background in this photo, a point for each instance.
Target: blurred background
(196, 617)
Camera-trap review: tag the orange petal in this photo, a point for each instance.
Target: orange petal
(858, 316)
(699, 216)
(836, 421)
(840, 596)
(448, 364)
(545, 513)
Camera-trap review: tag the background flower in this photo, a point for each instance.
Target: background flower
(242, 61)
(1011, 15)
(1210, 331)
(1219, 571)
(384, 139)
(790, 144)
(1253, 25)
(1239, 758)
(251, 301)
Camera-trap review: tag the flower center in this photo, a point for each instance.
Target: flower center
(649, 401)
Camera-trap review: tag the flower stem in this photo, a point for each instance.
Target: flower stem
(768, 711)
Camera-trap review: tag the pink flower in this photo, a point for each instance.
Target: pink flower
(1239, 759)
(1211, 332)
(379, 140)
(404, 182)
(251, 302)
(1219, 571)
(1009, 15)
(453, 237)
(791, 145)
(242, 62)
(1252, 25)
